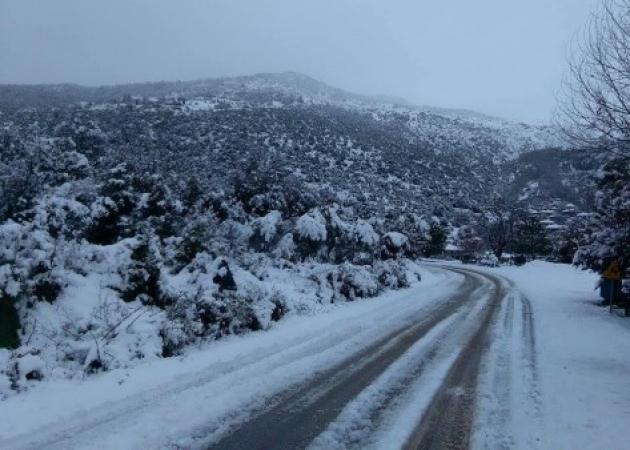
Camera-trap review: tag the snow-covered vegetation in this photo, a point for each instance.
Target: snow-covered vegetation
(136, 221)
(106, 264)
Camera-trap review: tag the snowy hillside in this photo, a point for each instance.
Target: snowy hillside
(139, 220)
(421, 159)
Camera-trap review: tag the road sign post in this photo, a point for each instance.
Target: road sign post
(611, 294)
(611, 279)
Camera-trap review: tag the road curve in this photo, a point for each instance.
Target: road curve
(449, 419)
(342, 382)
(296, 418)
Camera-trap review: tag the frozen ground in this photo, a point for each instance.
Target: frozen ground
(555, 375)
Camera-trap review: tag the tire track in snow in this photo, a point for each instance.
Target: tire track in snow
(532, 404)
(363, 423)
(296, 420)
(509, 412)
(448, 422)
(494, 413)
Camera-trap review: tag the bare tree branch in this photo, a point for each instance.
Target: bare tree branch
(595, 109)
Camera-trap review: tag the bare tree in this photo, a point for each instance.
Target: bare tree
(595, 110)
(597, 106)
(498, 225)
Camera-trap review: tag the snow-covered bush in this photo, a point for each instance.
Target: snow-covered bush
(111, 210)
(310, 233)
(394, 245)
(106, 269)
(352, 282)
(391, 274)
(141, 277)
(205, 307)
(196, 236)
(265, 231)
(364, 233)
(286, 247)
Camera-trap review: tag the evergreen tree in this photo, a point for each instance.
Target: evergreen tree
(529, 238)
(437, 240)
(609, 233)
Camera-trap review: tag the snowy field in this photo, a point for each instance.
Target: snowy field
(567, 390)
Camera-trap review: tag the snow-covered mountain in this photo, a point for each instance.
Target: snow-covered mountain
(514, 137)
(425, 158)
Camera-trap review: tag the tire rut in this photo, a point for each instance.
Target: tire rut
(449, 418)
(298, 417)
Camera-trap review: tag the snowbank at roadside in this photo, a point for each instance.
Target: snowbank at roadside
(583, 357)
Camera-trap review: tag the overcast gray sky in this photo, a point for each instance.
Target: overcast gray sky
(502, 57)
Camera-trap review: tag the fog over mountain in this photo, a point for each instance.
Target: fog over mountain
(503, 58)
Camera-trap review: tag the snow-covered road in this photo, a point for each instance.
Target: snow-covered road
(384, 372)
(452, 362)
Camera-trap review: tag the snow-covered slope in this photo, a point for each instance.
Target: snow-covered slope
(512, 137)
(429, 160)
(123, 204)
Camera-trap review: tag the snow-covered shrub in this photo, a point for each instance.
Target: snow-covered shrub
(286, 247)
(363, 243)
(394, 245)
(204, 308)
(310, 233)
(348, 240)
(265, 231)
(416, 229)
(365, 234)
(30, 265)
(158, 206)
(141, 278)
(311, 226)
(60, 214)
(263, 184)
(71, 166)
(196, 237)
(23, 368)
(489, 259)
(352, 282)
(391, 274)
(231, 238)
(110, 212)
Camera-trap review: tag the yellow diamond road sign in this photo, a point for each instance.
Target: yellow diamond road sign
(612, 272)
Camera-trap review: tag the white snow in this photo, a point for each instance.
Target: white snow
(365, 233)
(268, 225)
(397, 239)
(312, 226)
(569, 390)
(171, 401)
(581, 395)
